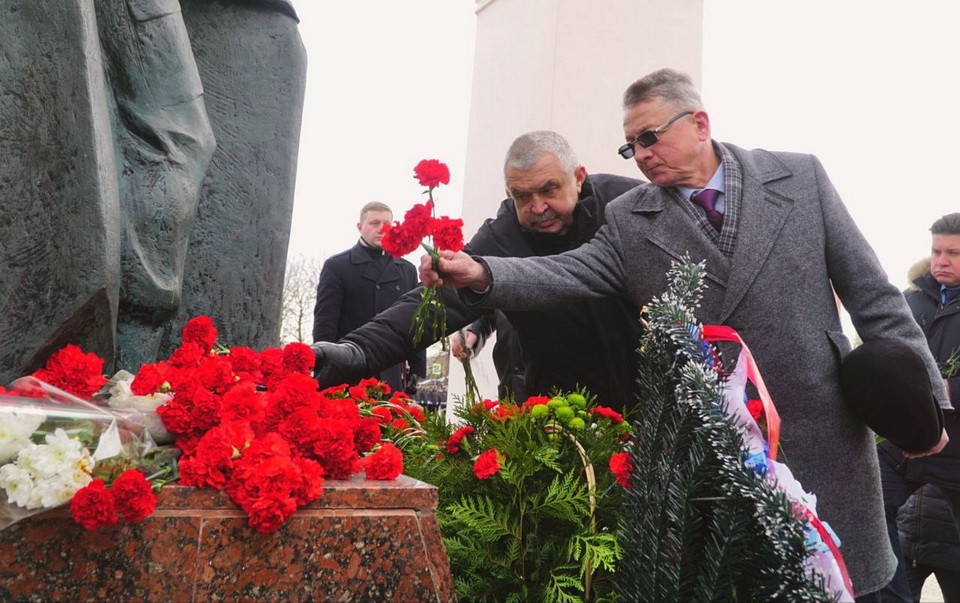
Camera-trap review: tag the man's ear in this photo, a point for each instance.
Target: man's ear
(580, 174)
(359, 227)
(703, 124)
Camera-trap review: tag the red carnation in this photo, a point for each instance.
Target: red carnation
(243, 402)
(398, 241)
(756, 408)
(266, 515)
(488, 464)
(385, 463)
(534, 401)
(245, 363)
(432, 173)
(271, 366)
(453, 444)
(311, 485)
(200, 330)
(93, 506)
(73, 371)
(188, 354)
(447, 233)
(504, 411)
(298, 358)
(622, 466)
(134, 496)
(366, 434)
(607, 413)
(176, 417)
(150, 378)
(418, 219)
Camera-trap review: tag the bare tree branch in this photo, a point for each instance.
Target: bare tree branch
(299, 297)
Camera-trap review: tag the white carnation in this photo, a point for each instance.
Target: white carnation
(15, 431)
(47, 475)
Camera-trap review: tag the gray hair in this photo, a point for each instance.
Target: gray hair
(670, 85)
(528, 148)
(947, 225)
(374, 206)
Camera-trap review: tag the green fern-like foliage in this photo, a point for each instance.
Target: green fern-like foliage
(543, 527)
(697, 524)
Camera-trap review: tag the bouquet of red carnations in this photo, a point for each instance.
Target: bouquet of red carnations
(420, 222)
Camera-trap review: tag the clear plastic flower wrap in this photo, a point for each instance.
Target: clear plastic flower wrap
(52, 444)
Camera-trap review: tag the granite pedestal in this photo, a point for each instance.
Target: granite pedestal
(361, 541)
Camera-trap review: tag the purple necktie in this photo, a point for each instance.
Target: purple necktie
(706, 199)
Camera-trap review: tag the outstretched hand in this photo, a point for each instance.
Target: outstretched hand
(456, 269)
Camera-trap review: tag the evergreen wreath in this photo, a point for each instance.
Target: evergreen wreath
(699, 522)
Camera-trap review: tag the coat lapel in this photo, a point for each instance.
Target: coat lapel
(371, 270)
(763, 213)
(670, 229)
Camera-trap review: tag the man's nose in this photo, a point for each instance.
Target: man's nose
(538, 204)
(641, 154)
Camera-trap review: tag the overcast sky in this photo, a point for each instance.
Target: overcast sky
(866, 86)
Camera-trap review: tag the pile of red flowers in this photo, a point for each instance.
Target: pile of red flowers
(254, 424)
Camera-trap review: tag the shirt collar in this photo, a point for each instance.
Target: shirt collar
(716, 183)
(948, 293)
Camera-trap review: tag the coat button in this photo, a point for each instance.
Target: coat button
(378, 286)
(397, 287)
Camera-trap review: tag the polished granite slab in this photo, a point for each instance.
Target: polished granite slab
(363, 540)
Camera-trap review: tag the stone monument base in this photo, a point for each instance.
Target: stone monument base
(361, 541)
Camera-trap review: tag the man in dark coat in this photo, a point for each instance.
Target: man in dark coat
(930, 544)
(934, 299)
(554, 206)
(360, 282)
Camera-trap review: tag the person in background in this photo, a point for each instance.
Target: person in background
(934, 300)
(930, 543)
(554, 205)
(360, 282)
(776, 242)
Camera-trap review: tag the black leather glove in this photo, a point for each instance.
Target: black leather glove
(338, 363)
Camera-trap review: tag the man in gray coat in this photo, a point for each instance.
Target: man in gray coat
(778, 244)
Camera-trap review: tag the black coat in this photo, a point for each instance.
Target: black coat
(942, 329)
(590, 344)
(354, 286)
(928, 534)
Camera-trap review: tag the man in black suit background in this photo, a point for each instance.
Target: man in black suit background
(357, 284)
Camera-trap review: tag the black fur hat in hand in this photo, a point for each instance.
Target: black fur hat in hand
(887, 385)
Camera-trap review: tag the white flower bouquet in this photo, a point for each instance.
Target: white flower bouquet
(53, 444)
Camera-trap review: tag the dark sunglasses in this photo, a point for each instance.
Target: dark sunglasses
(649, 138)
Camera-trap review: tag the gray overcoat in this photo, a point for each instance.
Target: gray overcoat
(796, 245)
